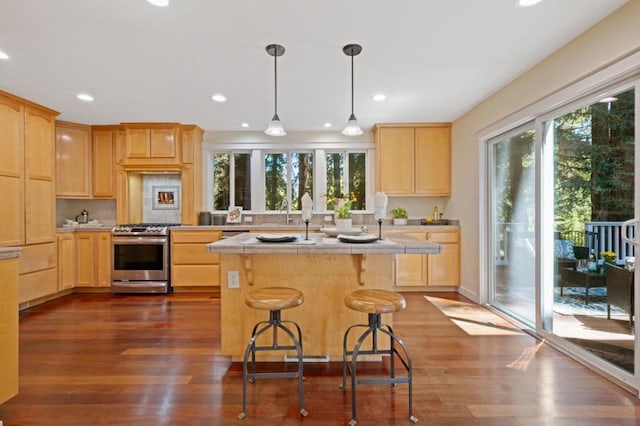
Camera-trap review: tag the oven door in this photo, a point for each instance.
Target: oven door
(140, 258)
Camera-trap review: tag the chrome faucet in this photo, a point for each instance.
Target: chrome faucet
(284, 207)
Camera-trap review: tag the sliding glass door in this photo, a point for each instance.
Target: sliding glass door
(559, 190)
(512, 188)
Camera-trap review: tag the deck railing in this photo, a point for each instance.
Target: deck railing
(509, 234)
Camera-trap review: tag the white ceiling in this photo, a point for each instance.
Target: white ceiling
(433, 59)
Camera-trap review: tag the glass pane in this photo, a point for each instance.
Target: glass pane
(513, 205)
(335, 182)
(593, 150)
(301, 178)
(221, 181)
(242, 180)
(358, 179)
(275, 181)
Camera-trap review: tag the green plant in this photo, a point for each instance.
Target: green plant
(344, 209)
(399, 213)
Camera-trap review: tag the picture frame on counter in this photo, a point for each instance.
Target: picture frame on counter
(234, 215)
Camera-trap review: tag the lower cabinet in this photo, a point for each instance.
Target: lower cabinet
(93, 259)
(436, 270)
(8, 328)
(191, 264)
(66, 260)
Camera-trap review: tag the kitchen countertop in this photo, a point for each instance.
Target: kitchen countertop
(10, 252)
(316, 228)
(318, 243)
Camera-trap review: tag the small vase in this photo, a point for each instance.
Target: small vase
(343, 224)
(399, 221)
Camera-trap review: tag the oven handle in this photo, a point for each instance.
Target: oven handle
(138, 240)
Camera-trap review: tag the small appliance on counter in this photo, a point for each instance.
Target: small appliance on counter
(83, 217)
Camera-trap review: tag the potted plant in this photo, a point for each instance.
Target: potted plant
(399, 216)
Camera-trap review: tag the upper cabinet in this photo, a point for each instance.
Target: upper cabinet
(152, 143)
(73, 168)
(105, 140)
(27, 171)
(413, 159)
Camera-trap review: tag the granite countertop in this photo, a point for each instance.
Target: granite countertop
(84, 229)
(10, 252)
(315, 228)
(319, 243)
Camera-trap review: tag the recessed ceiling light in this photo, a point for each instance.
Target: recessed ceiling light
(219, 97)
(379, 97)
(85, 97)
(327, 124)
(608, 99)
(3, 55)
(160, 3)
(245, 124)
(526, 3)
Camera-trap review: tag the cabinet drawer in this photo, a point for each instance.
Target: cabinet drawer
(37, 257)
(37, 284)
(195, 236)
(193, 254)
(195, 275)
(443, 237)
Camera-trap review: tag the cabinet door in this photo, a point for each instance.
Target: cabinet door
(12, 172)
(73, 161)
(103, 176)
(138, 143)
(395, 163)
(39, 177)
(444, 269)
(66, 261)
(8, 328)
(432, 161)
(188, 215)
(85, 255)
(411, 268)
(163, 143)
(103, 259)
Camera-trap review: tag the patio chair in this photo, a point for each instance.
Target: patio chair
(620, 290)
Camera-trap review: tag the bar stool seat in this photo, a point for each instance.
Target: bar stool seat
(273, 299)
(375, 303)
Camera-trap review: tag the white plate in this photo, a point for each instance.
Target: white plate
(333, 232)
(366, 238)
(276, 238)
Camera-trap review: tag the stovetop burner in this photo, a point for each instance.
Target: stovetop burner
(143, 229)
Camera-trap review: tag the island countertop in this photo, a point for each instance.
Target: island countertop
(317, 243)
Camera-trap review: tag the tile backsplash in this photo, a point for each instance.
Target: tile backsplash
(161, 199)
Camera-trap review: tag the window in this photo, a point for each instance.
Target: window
(287, 176)
(353, 172)
(264, 178)
(231, 175)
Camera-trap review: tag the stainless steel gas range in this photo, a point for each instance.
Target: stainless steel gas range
(140, 258)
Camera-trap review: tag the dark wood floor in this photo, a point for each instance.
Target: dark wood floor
(98, 359)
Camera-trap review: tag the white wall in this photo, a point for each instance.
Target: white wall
(614, 37)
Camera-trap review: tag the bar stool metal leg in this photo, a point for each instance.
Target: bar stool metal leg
(275, 323)
(374, 327)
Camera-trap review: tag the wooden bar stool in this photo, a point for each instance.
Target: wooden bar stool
(375, 303)
(273, 299)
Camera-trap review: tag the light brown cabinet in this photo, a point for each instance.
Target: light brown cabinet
(191, 264)
(152, 143)
(27, 185)
(103, 160)
(413, 159)
(8, 328)
(66, 261)
(73, 165)
(93, 259)
(431, 270)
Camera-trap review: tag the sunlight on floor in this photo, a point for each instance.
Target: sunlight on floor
(474, 319)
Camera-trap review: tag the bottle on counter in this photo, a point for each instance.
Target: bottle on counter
(436, 215)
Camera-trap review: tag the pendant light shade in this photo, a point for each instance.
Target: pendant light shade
(275, 127)
(352, 128)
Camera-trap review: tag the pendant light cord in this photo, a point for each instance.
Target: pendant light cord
(275, 69)
(352, 85)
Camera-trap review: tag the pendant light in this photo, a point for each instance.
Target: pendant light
(352, 129)
(275, 126)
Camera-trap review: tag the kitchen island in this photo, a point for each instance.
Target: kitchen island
(323, 268)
